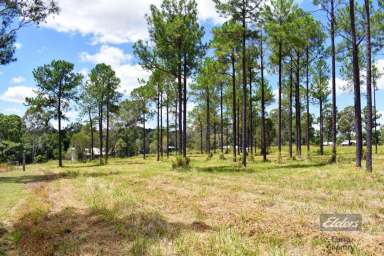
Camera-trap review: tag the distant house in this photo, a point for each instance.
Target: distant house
(328, 143)
(96, 152)
(347, 143)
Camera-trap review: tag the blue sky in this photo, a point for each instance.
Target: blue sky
(88, 32)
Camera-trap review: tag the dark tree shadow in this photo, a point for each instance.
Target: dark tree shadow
(48, 177)
(98, 232)
(271, 166)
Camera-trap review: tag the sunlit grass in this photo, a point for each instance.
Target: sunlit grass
(215, 207)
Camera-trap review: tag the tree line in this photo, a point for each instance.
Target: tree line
(228, 79)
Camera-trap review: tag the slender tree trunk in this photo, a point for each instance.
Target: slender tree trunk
(234, 104)
(176, 125)
(375, 116)
(161, 125)
(167, 106)
(356, 82)
(238, 127)
(290, 110)
(280, 94)
(107, 136)
(321, 128)
(158, 124)
(334, 107)
(101, 132)
(208, 134)
(144, 137)
(214, 137)
(307, 99)
(263, 131)
(185, 108)
(369, 84)
(227, 138)
(91, 130)
(221, 120)
(60, 132)
(298, 107)
(250, 135)
(244, 159)
(180, 89)
(201, 136)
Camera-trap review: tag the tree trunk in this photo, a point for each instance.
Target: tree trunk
(214, 137)
(144, 137)
(234, 104)
(375, 116)
(60, 132)
(167, 106)
(334, 106)
(298, 107)
(91, 129)
(307, 99)
(221, 120)
(185, 108)
(290, 110)
(176, 125)
(369, 85)
(180, 90)
(250, 135)
(161, 125)
(101, 132)
(280, 92)
(158, 124)
(238, 127)
(356, 83)
(107, 136)
(263, 132)
(208, 134)
(201, 136)
(321, 128)
(244, 146)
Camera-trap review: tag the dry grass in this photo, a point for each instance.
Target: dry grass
(137, 207)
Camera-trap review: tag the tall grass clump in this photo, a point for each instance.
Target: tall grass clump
(181, 163)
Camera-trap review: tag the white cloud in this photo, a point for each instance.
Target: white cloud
(17, 94)
(341, 86)
(17, 80)
(113, 21)
(380, 81)
(111, 55)
(121, 62)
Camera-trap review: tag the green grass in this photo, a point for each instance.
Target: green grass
(215, 207)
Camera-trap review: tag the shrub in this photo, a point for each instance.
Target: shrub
(222, 157)
(181, 162)
(40, 159)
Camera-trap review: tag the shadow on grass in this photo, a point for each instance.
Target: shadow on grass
(6, 243)
(269, 166)
(47, 177)
(99, 232)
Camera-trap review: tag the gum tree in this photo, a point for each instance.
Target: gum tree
(56, 87)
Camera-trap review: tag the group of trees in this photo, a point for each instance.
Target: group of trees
(228, 78)
(230, 89)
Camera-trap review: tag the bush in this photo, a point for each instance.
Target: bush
(40, 159)
(181, 163)
(209, 157)
(222, 157)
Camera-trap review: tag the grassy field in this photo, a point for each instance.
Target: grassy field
(137, 207)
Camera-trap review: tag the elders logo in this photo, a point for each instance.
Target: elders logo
(340, 222)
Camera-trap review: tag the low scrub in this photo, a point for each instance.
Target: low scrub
(181, 163)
